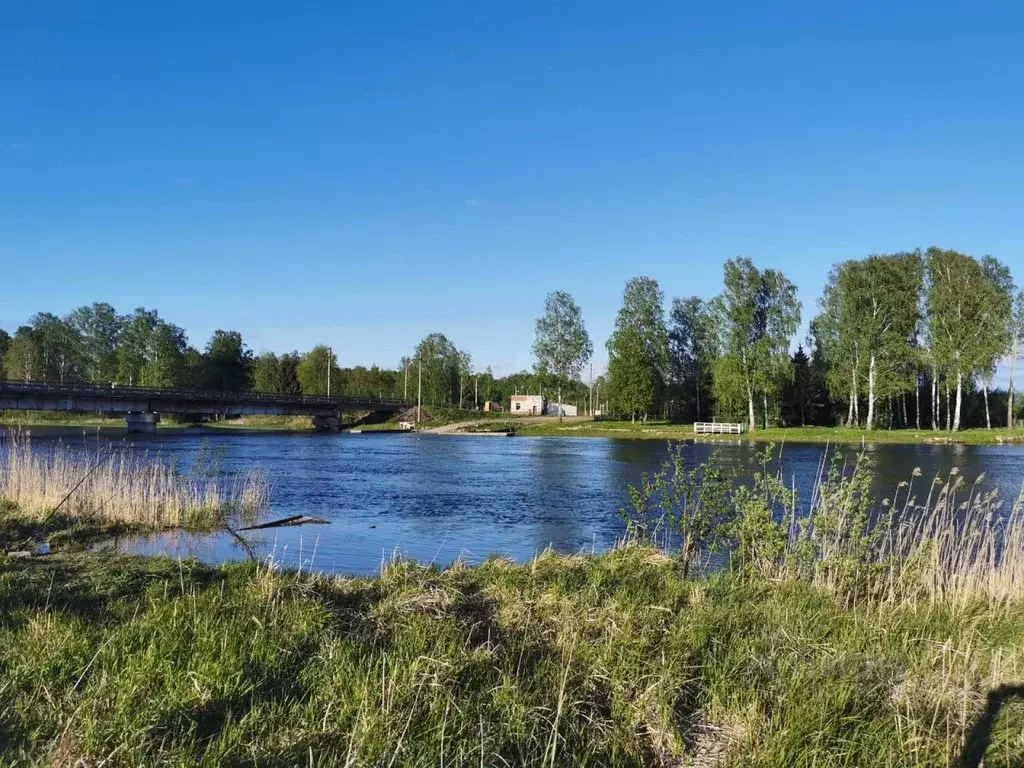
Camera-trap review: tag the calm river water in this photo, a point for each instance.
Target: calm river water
(435, 498)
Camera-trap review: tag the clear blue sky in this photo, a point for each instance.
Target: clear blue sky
(361, 174)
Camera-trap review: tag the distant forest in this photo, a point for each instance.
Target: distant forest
(900, 340)
(97, 345)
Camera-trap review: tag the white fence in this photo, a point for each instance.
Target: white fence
(720, 428)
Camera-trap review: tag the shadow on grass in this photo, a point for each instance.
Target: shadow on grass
(271, 685)
(68, 533)
(92, 586)
(979, 736)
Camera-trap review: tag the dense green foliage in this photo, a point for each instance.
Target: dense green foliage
(897, 336)
(638, 350)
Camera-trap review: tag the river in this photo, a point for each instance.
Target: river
(435, 497)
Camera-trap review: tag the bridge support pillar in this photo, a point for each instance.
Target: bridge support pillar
(326, 422)
(142, 422)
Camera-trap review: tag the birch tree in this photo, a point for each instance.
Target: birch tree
(632, 376)
(837, 347)
(562, 345)
(691, 351)
(99, 326)
(995, 337)
(883, 301)
(1016, 347)
(755, 315)
(962, 306)
(638, 348)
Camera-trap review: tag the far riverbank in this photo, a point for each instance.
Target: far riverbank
(549, 426)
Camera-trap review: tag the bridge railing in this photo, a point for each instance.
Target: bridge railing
(70, 389)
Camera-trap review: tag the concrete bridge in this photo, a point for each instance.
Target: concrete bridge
(142, 406)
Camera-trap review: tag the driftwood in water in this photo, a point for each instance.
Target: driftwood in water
(293, 520)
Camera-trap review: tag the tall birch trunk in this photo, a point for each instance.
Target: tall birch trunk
(1009, 398)
(699, 379)
(856, 404)
(935, 399)
(871, 393)
(959, 399)
(949, 414)
(750, 407)
(988, 417)
(917, 400)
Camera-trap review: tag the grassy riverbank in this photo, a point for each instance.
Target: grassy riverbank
(657, 430)
(852, 636)
(57, 419)
(548, 426)
(609, 660)
(267, 423)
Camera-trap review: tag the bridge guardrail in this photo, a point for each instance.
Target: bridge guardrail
(78, 388)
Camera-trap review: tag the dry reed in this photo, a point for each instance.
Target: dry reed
(957, 545)
(116, 485)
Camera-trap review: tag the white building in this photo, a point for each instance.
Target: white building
(526, 405)
(567, 410)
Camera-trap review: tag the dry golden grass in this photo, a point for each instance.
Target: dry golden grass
(117, 485)
(959, 546)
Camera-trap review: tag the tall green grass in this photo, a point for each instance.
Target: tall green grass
(856, 634)
(937, 540)
(607, 660)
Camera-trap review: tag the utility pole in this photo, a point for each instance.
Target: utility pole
(330, 355)
(405, 394)
(591, 390)
(419, 395)
(476, 391)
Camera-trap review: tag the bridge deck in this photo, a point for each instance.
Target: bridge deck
(51, 396)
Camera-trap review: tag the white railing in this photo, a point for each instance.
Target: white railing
(717, 428)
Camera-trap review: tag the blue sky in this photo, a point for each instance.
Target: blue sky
(361, 174)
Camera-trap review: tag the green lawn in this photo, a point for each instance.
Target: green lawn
(56, 419)
(608, 660)
(656, 430)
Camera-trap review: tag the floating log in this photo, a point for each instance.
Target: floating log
(293, 520)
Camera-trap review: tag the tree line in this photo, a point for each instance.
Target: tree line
(95, 344)
(907, 339)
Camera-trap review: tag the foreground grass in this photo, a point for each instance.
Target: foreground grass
(609, 660)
